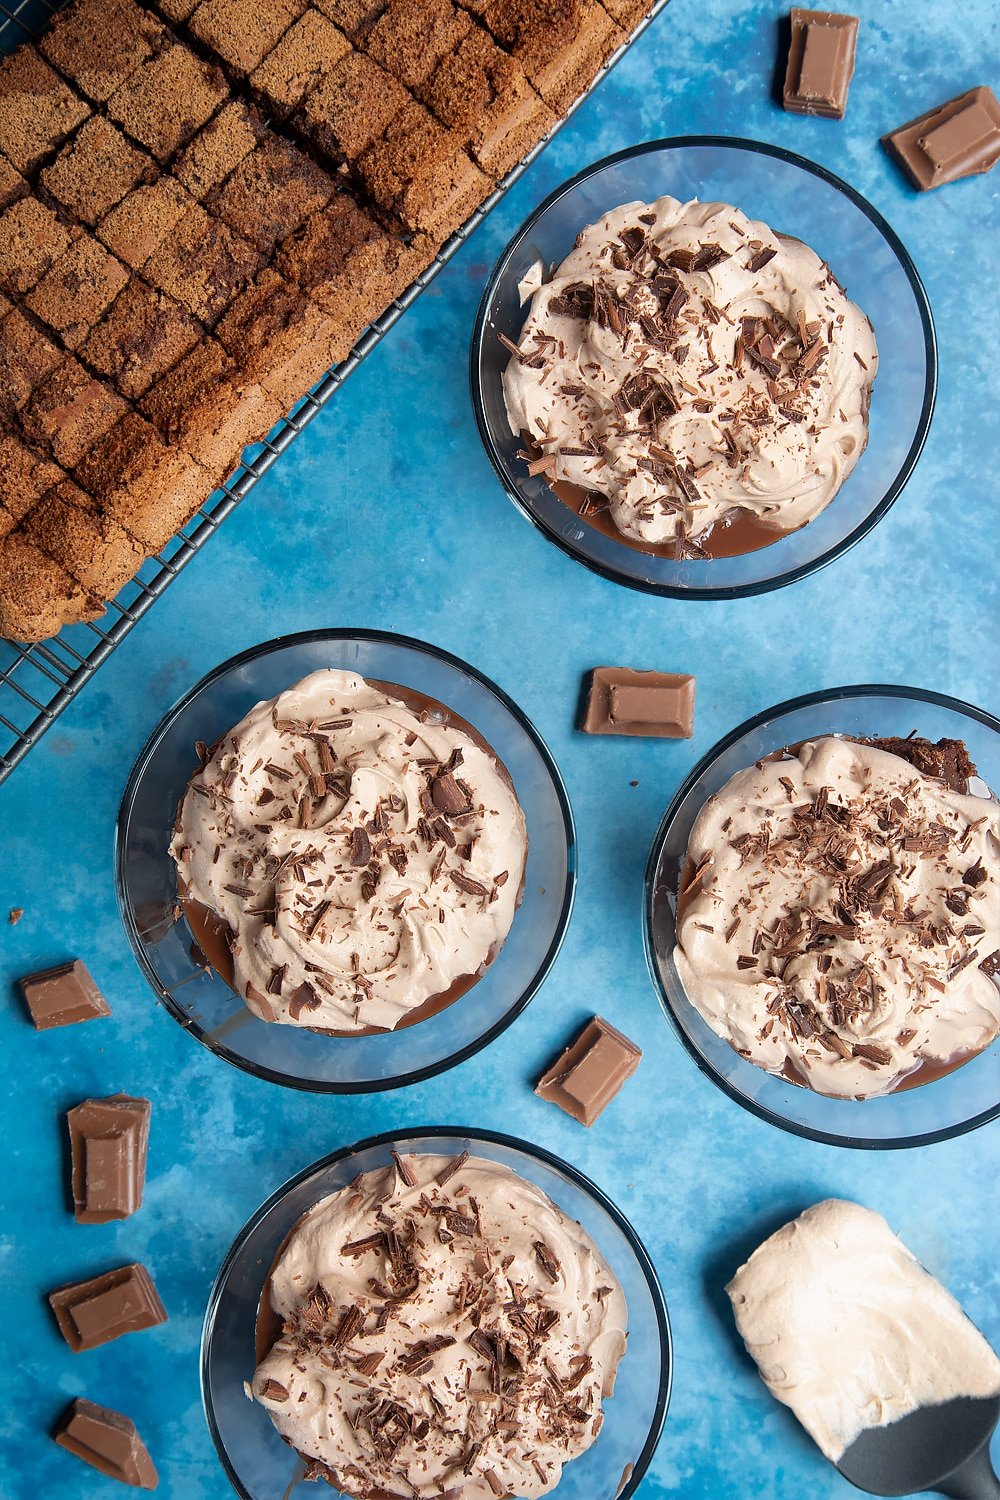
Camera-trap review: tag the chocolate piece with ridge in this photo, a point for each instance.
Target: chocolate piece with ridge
(62, 996)
(820, 63)
(589, 1073)
(108, 1442)
(94, 1312)
(652, 705)
(108, 1141)
(958, 139)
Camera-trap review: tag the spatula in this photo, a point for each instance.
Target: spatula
(942, 1449)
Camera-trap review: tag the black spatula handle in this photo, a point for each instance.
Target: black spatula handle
(975, 1480)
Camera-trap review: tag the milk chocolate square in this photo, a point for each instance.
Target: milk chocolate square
(109, 1139)
(958, 139)
(590, 1072)
(94, 1312)
(820, 63)
(108, 1442)
(62, 996)
(651, 705)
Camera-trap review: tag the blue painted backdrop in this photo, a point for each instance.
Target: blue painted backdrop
(387, 514)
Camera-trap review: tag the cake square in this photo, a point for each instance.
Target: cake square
(166, 101)
(31, 238)
(143, 335)
(94, 549)
(202, 264)
(218, 149)
(27, 358)
(271, 192)
(99, 43)
(12, 184)
(411, 37)
(627, 13)
(27, 475)
(562, 74)
(70, 411)
(137, 226)
(420, 171)
(350, 108)
(242, 32)
(308, 51)
(95, 170)
(484, 95)
(37, 109)
(354, 17)
(548, 24)
(209, 406)
(281, 338)
(37, 596)
(78, 289)
(149, 487)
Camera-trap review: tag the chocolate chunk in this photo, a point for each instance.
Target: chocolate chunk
(657, 705)
(108, 1442)
(948, 760)
(589, 1073)
(820, 63)
(108, 1142)
(957, 139)
(62, 996)
(94, 1312)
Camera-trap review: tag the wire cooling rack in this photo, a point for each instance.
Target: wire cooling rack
(37, 682)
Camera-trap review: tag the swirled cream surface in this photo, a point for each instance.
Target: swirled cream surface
(363, 855)
(690, 364)
(837, 910)
(447, 1330)
(849, 1330)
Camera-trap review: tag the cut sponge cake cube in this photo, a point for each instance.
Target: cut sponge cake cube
(242, 32)
(411, 37)
(95, 169)
(283, 340)
(149, 487)
(77, 290)
(302, 58)
(202, 264)
(421, 171)
(137, 226)
(94, 549)
(273, 190)
(208, 406)
(99, 43)
(350, 108)
(143, 335)
(31, 238)
(37, 596)
(480, 92)
(27, 357)
(218, 149)
(38, 109)
(27, 475)
(166, 101)
(69, 412)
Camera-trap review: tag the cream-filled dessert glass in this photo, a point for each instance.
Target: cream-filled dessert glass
(712, 393)
(553, 1276)
(373, 848)
(820, 919)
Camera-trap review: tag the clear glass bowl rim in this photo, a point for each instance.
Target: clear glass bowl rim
(895, 489)
(416, 1075)
(496, 1138)
(790, 705)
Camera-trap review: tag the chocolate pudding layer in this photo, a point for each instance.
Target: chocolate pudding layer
(441, 1329)
(348, 859)
(839, 918)
(703, 379)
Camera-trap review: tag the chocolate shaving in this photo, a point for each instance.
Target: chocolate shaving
(547, 1261)
(361, 849)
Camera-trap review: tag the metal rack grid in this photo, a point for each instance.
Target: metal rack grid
(37, 682)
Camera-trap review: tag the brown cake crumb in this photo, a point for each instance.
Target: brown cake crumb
(411, 37)
(31, 238)
(481, 92)
(219, 148)
(351, 108)
(202, 264)
(95, 170)
(271, 192)
(15, 914)
(208, 405)
(99, 43)
(78, 290)
(167, 100)
(420, 171)
(143, 335)
(69, 412)
(151, 489)
(136, 228)
(242, 32)
(306, 53)
(27, 357)
(37, 109)
(282, 340)
(94, 550)
(354, 17)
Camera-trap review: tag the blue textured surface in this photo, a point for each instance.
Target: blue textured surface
(386, 514)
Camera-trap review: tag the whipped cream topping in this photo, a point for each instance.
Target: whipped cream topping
(364, 856)
(447, 1331)
(689, 363)
(837, 909)
(849, 1330)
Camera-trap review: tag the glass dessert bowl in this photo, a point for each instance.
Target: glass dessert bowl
(800, 202)
(261, 1467)
(459, 1019)
(948, 1102)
